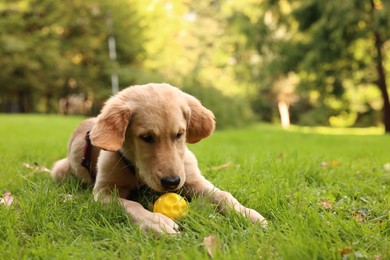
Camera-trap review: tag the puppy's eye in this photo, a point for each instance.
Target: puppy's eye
(178, 135)
(147, 138)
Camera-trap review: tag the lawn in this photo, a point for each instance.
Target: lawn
(325, 197)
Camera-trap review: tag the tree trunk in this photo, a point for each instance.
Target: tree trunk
(49, 108)
(381, 82)
(284, 113)
(24, 102)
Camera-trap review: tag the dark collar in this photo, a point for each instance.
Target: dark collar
(129, 164)
(86, 160)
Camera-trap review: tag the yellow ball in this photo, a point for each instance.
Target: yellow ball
(171, 205)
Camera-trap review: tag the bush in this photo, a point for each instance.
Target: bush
(229, 111)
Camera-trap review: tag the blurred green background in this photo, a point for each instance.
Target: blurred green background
(307, 62)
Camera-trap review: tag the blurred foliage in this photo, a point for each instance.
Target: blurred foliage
(239, 57)
(229, 111)
(51, 49)
(337, 49)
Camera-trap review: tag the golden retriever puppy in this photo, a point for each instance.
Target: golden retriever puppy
(140, 138)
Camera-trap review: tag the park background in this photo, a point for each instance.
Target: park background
(323, 190)
(311, 62)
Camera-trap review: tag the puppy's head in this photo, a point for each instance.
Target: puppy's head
(151, 124)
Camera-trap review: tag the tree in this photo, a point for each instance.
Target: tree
(334, 48)
(192, 51)
(51, 49)
(380, 24)
(255, 38)
(329, 35)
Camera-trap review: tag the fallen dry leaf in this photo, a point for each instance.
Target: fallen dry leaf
(345, 251)
(335, 163)
(332, 163)
(36, 167)
(219, 167)
(326, 204)
(211, 244)
(7, 199)
(359, 216)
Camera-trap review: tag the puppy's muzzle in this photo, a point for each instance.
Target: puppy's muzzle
(170, 182)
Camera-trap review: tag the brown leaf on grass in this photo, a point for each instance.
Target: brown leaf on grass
(359, 216)
(219, 167)
(345, 251)
(211, 244)
(326, 204)
(332, 163)
(36, 167)
(335, 163)
(7, 199)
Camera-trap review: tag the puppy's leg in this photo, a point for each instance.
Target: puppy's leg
(196, 184)
(61, 170)
(227, 202)
(112, 175)
(148, 221)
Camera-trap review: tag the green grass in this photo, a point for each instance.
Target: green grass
(279, 173)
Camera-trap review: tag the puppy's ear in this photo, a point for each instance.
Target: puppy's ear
(109, 131)
(201, 121)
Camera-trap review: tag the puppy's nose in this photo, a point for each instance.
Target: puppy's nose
(170, 182)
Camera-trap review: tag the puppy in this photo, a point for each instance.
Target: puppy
(140, 138)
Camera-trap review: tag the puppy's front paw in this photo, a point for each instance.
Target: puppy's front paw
(256, 217)
(159, 224)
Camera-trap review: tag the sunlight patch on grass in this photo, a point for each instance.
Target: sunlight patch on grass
(337, 130)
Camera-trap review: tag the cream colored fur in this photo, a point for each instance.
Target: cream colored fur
(151, 125)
